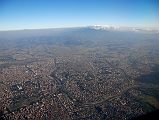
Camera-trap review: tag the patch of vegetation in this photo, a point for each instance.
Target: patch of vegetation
(149, 102)
(152, 101)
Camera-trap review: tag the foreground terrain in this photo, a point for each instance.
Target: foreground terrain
(78, 73)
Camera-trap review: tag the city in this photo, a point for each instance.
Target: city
(64, 80)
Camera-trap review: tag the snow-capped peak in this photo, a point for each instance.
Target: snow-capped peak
(107, 27)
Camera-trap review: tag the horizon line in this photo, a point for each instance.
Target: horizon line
(96, 25)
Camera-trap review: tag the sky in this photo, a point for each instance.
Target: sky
(35, 14)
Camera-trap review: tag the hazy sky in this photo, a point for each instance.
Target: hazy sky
(25, 14)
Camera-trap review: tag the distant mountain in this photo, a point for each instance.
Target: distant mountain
(123, 28)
